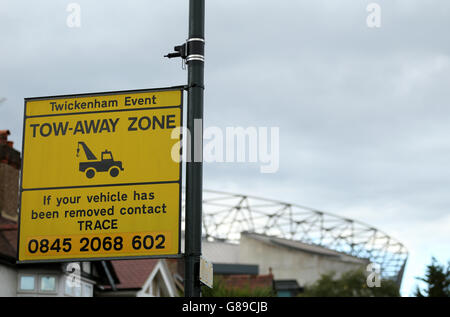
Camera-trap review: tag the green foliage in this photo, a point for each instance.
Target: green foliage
(350, 284)
(437, 279)
(220, 289)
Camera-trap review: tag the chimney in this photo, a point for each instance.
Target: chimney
(10, 162)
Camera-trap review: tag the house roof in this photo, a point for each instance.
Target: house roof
(8, 239)
(132, 274)
(246, 280)
(286, 285)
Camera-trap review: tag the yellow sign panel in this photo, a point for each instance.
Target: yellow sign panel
(100, 178)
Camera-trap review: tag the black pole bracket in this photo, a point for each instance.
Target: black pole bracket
(193, 86)
(192, 50)
(195, 50)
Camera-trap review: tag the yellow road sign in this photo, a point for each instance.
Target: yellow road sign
(99, 178)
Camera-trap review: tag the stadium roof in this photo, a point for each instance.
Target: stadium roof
(227, 215)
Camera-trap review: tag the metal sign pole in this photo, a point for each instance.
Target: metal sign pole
(194, 170)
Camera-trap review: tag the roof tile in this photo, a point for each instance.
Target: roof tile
(133, 274)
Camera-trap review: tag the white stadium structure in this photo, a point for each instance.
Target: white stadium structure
(293, 241)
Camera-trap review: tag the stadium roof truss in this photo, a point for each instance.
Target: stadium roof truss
(226, 215)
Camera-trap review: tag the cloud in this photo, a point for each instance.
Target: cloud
(363, 113)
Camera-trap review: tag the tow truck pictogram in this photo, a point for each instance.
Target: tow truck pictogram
(106, 164)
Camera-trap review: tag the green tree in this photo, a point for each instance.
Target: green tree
(437, 279)
(350, 284)
(220, 289)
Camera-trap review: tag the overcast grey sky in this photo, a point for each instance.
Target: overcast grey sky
(363, 112)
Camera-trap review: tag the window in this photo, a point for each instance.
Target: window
(87, 290)
(72, 287)
(284, 294)
(39, 283)
(86, 267)
(68, 287)
(78, 288)
(77, 291)
(27, 283)
(47, 284)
